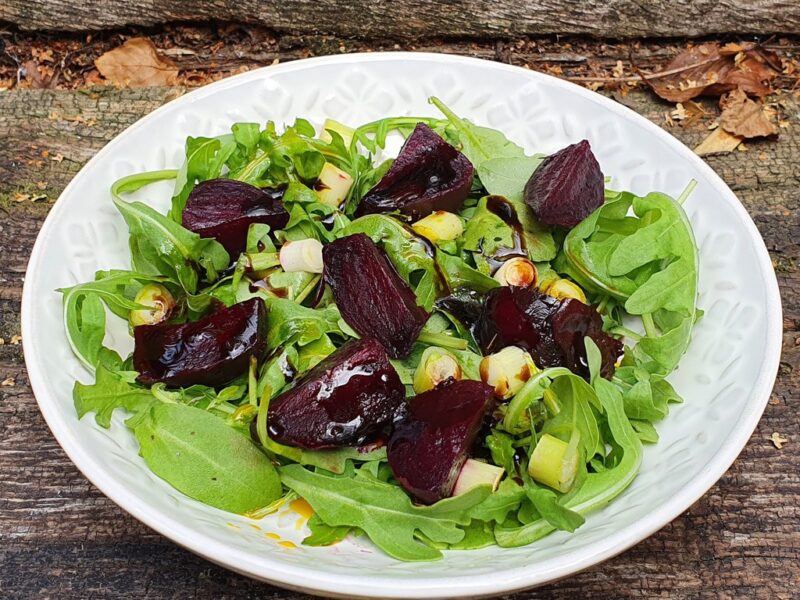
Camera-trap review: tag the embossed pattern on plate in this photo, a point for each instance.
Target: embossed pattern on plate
(725, 378)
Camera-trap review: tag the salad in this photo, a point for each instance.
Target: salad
(462, 346)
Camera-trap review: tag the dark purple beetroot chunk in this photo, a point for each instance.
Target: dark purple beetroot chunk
(345, 400)
(211, 351)
(224, 209)
(566, 187)
(431, 443)
(572, 322)
(428, 174)
(550, 329)
(371, 296)
(515, 316)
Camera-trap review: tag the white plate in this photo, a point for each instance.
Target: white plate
(726, 377)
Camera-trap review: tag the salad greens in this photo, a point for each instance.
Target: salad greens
(635, 258)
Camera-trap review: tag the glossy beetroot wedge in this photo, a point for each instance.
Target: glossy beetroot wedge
(431, 443)
(566, 187)
(550, 329)
(211, 351)
(371, 296)
(345, 400)
(428, 174)
(224, 209)
(574, 321)
(515, 316)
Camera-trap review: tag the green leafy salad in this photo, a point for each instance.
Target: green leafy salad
(461, 346)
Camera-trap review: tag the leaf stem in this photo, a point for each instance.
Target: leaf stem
(308, 289)
(686, 192)
(649, 325)
(131, 183)
(628, 333)
(261, 418)
(442, 340)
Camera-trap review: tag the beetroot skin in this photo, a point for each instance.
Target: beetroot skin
(372, 298)
(550, 329)
(345, 400)
(431, 443)
(211, 351)
(428, 175)
(566, 187)
(224, 209)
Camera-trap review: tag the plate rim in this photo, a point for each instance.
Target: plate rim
(296, 577)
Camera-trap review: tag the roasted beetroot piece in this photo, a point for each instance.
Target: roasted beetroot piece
(211, 351)
(371, 296)
(428, 175)
(515, 316)
(345, 400)
(224, 209)
(431, 443)
(550, 329)
(566, 187)
(572, 322)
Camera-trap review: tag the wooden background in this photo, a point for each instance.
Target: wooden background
(60, 538)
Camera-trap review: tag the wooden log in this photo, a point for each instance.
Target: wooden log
(61, 538)
(412, 19)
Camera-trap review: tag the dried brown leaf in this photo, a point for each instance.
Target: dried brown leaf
(743, 117)
(137, 64)
(708, 69)
(36, 75)
(718, 141)
(778, 440)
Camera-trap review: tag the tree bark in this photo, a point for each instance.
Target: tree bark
(61, 538)
(412, 19)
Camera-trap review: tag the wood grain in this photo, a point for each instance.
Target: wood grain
(412, 19)
(61, 538)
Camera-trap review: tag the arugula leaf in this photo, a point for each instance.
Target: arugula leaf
(314, 352)
(487, 232)
(476, 535)
(649, 261)
(577, 402)
(457, 273)
(507, 176)
(199, 455)
(503, 169)
(480, 144)
(84, 312)
(539, 242)
(546, 503)
(497, 506)
(286, 157)
(597, 489)
(160, 246)
(381, 510)
(322, 534)
(110, 391)
(290, 323)
(205, 158)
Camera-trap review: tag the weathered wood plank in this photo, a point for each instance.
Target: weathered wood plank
(411, 19)
(59, 537)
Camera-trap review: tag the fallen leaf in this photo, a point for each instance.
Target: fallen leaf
(778, 440)
(15, 340)
(742, 116)
(137, 64)
(35, 74)
(708, 69)
(8, 382)
(718, 141)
